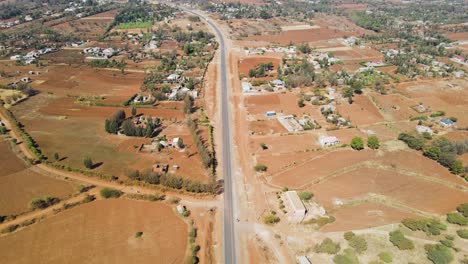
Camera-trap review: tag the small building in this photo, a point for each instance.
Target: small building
(270, 113)
(246, 87)
(26, 80)
(326, 141)
(16, 57)
(290, 123)
(173, 77)
(177, 142)
(181, 209)
(424, 129)
(160, 167)
(296, 207)
(303, 260)
(446, 122)
(278, 83)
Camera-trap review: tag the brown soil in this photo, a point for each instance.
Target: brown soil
(101, 232)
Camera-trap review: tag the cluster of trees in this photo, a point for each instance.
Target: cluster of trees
(357, 143)
(208, 158)
(43, 202)
(119, 121)
(113, 123)
(427, 225)
(121, 65)
(172, 181)
(398, 239)
(299, 74)
(445, 153)
(261, 70)
(358, 243)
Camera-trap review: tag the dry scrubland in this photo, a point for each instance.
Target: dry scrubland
(102, 232)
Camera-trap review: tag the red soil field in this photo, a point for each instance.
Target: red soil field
(250, 62)
(411, 191)
(396, 106)
(300, 36)
(284, 144)
(265, 127)
(278, 162)
(361, 111)
(19, 185)
(101, 232)
(365, 215)
(281, 103)
(321, 166)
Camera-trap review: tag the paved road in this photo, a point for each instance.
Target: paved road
(228, 221)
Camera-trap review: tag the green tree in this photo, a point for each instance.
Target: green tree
(3, 130)
(260, 167)
(358, 243)
(432, 152)
(56, 156)
(110, 193)
(398, 239)
(348, 257)
(306, 196)
(88, 162)
(134, 111)
(357, 143)
(373, 142)
(439, 254)
(457, 218)
(457, 167)
(328, 246)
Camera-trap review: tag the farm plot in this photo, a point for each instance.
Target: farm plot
(361, 111)
(281, 103)
(396, 188)
(395, 107)
(60, 122)
(300, 36)
(101, 232)
(319, 167)
(365, 215)
(19, 184)
(112, 87)
(250, 62)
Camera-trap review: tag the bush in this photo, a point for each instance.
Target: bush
(439, 254)
(457, 167)
(271, 219)
(328, 246)
(386, 257)
(398, 239)
(357, 143)
(260, 167)
(438, 113)
(463, 208)
(358, 243)
(411, 141)
(110, 193)
(88, 162)
(348, 235)
(3, 130)
(432, 152)
(263, 146)
(463, 233)
(373, 142)
(138, 234)
(43, 202)
(348, 257)
(457, 218)
(427, 225)
(305, 196)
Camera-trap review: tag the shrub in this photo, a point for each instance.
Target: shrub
(463, 208)
(305, 196)
(463, 233)
(263, 146)
(427, 225)
(439, 254)
(260, 167)
(457, 167)
(358, 243)
(438, 113)
(411, 141)
(88, 162)
(373, 142)
(432, 152)
(348, 235)
(357, 143)
(386, 257)
(3, 130)
(348, 257)
(328, 246)
(56, 156)
(398, 239)
(43, 202)
(271, 219)
(110, 193)
(138, 234)
(457, 218)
